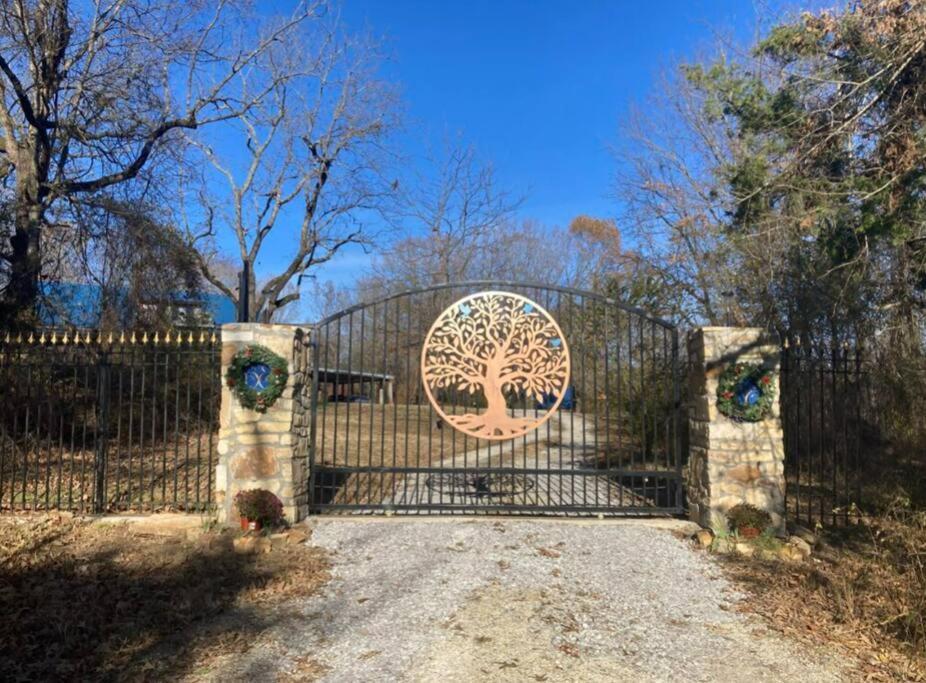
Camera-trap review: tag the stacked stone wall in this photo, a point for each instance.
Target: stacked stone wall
(732, 462)
(263, 450)
(303, 361)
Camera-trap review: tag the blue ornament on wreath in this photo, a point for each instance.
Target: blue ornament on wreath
(748, 393)
(257, 376)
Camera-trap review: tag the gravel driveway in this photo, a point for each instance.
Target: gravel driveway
(521, 600)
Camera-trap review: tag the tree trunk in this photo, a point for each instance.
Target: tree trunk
(22, 294)
(25, 266)
(496, 405)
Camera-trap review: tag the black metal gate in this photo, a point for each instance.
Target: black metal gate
(378, 444)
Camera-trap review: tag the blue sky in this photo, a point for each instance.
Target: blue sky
(539, 88)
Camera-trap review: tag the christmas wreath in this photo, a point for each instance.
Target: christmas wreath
(257, 376)
(745, 392)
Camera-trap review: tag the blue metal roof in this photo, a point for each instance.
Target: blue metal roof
(78, 305)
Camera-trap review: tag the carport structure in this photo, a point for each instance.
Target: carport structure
(343, 383)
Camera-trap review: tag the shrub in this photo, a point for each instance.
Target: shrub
(260, 505)
(745, 516)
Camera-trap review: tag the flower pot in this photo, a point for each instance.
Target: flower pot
(250, 524)
(748, 532)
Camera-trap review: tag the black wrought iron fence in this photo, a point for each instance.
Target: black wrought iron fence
(92, 422)
(823, 407)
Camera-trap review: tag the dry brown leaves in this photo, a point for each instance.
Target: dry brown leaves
(852, 594)
(111, 602)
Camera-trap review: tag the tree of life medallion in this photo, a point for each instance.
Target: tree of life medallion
(499, 345)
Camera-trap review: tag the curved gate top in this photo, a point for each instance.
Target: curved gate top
(495, 397)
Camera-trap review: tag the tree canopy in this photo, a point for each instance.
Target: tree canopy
(790, 192)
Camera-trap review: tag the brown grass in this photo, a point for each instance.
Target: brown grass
(864, 590)
(409, 432)
(172, 475)
(88, 601)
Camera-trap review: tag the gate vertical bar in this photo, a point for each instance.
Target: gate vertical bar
(784, 382)
(677, 406)
(847, 498)
(313, 349)
(858, 421)
(834, 441)
(215, 367)
(102, 435)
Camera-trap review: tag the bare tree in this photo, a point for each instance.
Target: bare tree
(455, 223)
(313, 179)
(90, 92)
(527, 251)
(450, 217)
(673, 211)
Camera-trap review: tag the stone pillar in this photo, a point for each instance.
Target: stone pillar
(262, 450)
(732, 462)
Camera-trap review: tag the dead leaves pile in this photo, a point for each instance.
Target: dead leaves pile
(859, 592)
(111, 602)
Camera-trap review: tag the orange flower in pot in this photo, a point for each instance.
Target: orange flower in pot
(747, 521)
(258, 508)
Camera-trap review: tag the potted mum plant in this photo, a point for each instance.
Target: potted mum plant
(258, 508)
(747, 521)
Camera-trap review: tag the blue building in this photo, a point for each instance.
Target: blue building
(69, 304)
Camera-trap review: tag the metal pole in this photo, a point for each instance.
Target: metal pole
(311, 348)
(102, 435)
(244, 294)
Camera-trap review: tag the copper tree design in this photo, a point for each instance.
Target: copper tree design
(495, 343)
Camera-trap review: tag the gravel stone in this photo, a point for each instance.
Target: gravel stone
(455, 599)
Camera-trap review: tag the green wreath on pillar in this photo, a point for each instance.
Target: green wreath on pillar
(745, 392)
(257, 376)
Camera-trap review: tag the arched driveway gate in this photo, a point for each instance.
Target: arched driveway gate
(462, 431)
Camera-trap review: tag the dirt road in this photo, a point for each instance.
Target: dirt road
(521, 600)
